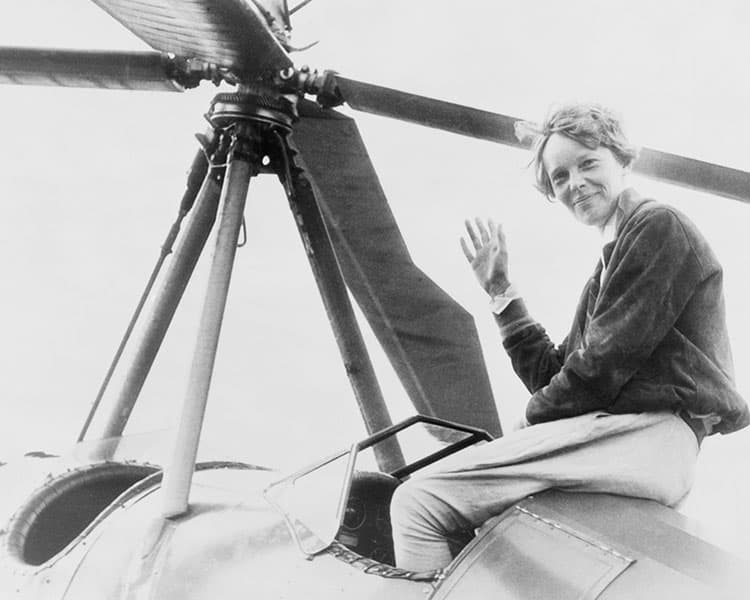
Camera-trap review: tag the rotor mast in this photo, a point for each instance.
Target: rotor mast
(253, 124)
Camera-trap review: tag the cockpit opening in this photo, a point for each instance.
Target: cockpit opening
(60, 511)
(366, 527)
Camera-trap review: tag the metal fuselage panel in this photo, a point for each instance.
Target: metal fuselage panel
(232, 544)
(574, 545)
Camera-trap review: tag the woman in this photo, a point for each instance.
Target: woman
(622, 404)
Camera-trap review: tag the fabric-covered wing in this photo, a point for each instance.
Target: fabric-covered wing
(431, 341)
(237, 34)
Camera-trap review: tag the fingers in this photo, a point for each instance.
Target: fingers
(482, 230)
(467, 253)
(482, 234)
(472, 235)
(496, 231)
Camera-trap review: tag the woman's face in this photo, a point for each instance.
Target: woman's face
(586, 181)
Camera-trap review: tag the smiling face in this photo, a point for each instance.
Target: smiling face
(586, 181)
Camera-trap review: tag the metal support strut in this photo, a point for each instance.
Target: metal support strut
(338, 306)
(178, 475)
(186, 256)
(203, 188)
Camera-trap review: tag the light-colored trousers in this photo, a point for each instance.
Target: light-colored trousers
(646, 455)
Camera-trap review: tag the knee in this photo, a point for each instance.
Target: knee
(425, 502)
(409, 503)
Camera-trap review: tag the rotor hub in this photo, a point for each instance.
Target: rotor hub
(259, 105)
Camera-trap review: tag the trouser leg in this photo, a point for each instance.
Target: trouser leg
(651, 455)
(428, 523)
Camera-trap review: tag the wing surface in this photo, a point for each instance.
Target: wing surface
(431, 341)
(240, 35)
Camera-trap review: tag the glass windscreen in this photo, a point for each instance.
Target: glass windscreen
(313, 500)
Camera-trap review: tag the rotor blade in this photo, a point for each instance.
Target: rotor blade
(431, 341)
(229, 33)
(429, 112)
(89, 69)
(493, 127)
(694, 174)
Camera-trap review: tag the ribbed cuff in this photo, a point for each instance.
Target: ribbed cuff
(500, 302)
(514, 318)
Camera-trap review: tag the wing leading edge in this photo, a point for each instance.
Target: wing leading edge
(242, 36)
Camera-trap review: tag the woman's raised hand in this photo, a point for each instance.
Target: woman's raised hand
(487, 255)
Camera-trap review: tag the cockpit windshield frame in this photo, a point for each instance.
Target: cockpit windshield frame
(313, 535)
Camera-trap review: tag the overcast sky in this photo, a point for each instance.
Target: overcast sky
(91, 181)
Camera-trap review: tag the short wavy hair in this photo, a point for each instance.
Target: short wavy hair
(591, 125)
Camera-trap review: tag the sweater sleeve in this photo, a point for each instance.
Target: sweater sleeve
(652, 274)
(534, 356)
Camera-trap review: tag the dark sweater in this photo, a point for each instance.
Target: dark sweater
(651, 337)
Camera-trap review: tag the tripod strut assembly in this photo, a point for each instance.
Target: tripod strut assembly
(253, 129)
